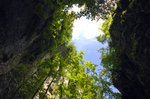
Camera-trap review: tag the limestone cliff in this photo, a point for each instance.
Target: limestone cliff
(130, 32)
(20, 41)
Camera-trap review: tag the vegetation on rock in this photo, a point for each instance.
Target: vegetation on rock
(52, 68)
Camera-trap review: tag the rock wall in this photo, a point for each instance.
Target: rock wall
(20, 41)
(130, 32)
(20, 28)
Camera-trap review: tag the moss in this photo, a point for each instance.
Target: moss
(31, 84)
(105, 28)
(131, 3)
(122, 21)
(123, 18)
(114, 14)
(119, 5)
(21, 68)
(123, 12)
(134, 45)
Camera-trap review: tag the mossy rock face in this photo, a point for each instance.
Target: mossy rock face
(130, 34)
(27, 37)
(20, 42)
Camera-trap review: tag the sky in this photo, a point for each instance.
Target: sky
(84, 36)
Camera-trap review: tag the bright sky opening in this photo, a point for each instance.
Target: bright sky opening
(84, 28)
(84, 36)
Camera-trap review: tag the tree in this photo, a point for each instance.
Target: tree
(109, 61)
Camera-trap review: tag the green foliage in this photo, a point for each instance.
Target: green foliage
(105, 28)
(78, 79)
(109, 61)
(75, 78)
(134, 45)
(123, 12)
(83, 81)
(58, 28)
(131, 3)
(21, 68)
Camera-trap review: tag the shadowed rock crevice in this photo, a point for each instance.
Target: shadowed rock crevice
(130, 36)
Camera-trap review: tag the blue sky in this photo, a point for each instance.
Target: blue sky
(84, 38)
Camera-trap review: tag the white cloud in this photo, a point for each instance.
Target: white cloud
(84, 28)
